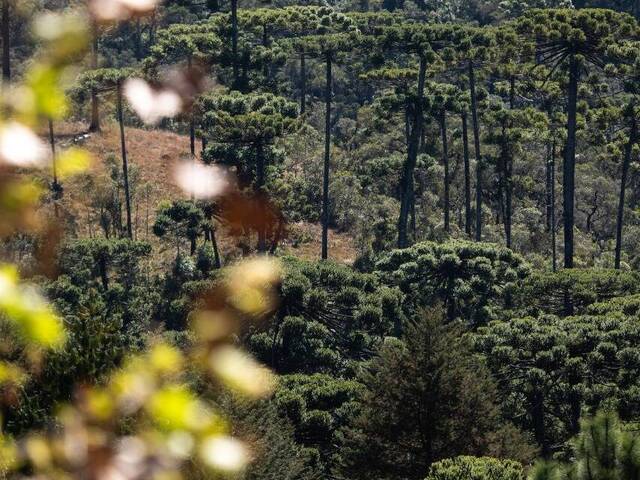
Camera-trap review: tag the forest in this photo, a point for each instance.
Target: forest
(320, 239)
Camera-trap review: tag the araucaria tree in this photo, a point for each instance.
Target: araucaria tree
(575, 41)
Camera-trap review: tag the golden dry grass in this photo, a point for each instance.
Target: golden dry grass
(153, 152)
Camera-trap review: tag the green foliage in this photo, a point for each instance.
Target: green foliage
(181, 220)
(476, 468)
(552, 368)
(473, 281)
(604, 449)
(426, 398)
(318, 406)
(572, 291)
(329, 316)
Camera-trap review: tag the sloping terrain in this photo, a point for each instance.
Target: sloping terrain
(151, 153)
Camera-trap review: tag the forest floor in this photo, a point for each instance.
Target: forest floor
(151, 154)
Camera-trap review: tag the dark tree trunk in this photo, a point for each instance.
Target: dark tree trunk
(554, 253)
(476, 142)
(138, 40)
(234, 42)
(94, 125)
(303, 84)
(539, 428)
(104, 277)
(412, 213)
(633, 133)
(55, 185)
(548, 189)
(192, 245)
(192, 122)
(506, 168)
(327, 158)
(569, 166)
(216, 253)
(467, 176)
(6, 40)
(125, 167)
(406, 181)
(262, 245)
(445, 162)
(203, 141)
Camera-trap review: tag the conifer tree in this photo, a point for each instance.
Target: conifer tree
(575, 40)
(105, 80)
(250, 124)
(328, 48)
(472, 48)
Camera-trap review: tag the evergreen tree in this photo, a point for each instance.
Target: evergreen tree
(426, 399)
(574, 40)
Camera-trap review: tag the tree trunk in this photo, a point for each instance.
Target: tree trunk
(412, 213)
(192, 122)
(476, 142)
(406, 182)
(505, 162)
(467, 176)
(125, 168)
(327, 158)
(259, 186)
(303, 84)
(539, 428)
(94, 125)
(216, 253)
(445, 162)
(554, 252)
(633, 133)
(6, 41)
(569, 166)
(548, 189)
(234, 42)
(138, 40)
(55, 186)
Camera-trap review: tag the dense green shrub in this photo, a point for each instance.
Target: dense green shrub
(476, 468)
(472, 281)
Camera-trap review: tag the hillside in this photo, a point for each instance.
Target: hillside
(152, 153)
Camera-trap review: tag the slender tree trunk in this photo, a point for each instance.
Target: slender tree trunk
(192, 122)
(412, 213)
(548, 189)
(55, 186)
(203, 141)
(94, 125)
(554, 252)
(406, 182)
(506, 177)
(327, 158)
(303, 84)
(125, 168)
(445, 162)
(216, 253)
(234, 42)
(467, 176)
(476, 142)
(539, 427)
(6, 40)
(138, 40)
(569, 165)
(633, 133)
(262, 246)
